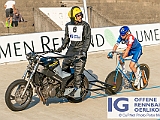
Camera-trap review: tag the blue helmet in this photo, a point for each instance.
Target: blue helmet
(123, 30)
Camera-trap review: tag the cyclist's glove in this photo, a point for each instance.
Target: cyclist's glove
(110, 55)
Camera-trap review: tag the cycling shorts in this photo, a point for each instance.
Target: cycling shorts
(136, 54)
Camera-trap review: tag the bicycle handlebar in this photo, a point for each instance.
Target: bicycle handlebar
(121, 56)
(119, 53)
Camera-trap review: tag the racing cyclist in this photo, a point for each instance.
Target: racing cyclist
(133, 49)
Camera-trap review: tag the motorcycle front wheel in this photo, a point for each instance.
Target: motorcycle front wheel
(13, 95)
(84, 87)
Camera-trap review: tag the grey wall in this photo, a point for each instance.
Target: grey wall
(102, 13)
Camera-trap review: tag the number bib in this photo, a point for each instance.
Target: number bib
(75, 32)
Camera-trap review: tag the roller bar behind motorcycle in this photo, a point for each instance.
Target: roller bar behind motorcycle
(44, 77)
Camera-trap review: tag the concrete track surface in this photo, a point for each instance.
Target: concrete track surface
(94, 107)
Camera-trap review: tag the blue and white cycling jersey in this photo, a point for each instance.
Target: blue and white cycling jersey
(130, 42)
(134, 45)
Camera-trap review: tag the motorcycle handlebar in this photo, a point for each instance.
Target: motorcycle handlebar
(40, 54)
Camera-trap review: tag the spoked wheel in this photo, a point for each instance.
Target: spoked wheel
(13, 98)
(110, 80)
(84, 86)
(145, 72)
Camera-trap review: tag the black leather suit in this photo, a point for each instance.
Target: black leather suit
(74, 48)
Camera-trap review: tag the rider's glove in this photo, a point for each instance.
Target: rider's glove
(82, 54)
(110, 55)
(59, 50)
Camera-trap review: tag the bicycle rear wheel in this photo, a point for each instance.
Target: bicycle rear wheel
(110, 80)
(145, 71)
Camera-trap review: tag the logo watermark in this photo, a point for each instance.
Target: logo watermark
(133, 107)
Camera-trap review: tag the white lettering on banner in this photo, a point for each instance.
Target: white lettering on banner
(14, 47)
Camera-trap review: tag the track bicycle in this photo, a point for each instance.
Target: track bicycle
(115, 77)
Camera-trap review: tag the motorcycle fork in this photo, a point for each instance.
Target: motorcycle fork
(30, 78)
(25, 74)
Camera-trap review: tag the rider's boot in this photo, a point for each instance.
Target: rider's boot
(76, 87)
(73, 92)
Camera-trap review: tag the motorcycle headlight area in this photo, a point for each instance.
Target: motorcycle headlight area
(30, 56)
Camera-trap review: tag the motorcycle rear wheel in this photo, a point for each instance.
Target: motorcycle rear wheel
(84, 87)
(13, 98)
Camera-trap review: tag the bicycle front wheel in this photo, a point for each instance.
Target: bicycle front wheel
(117, 83)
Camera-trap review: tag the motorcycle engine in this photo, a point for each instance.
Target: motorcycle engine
(50, 88)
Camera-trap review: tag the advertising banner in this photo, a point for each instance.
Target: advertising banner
(14, 47)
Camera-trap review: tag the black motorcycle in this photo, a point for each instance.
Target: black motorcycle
(45, 77)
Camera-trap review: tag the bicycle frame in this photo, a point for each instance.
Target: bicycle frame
(129, 78)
